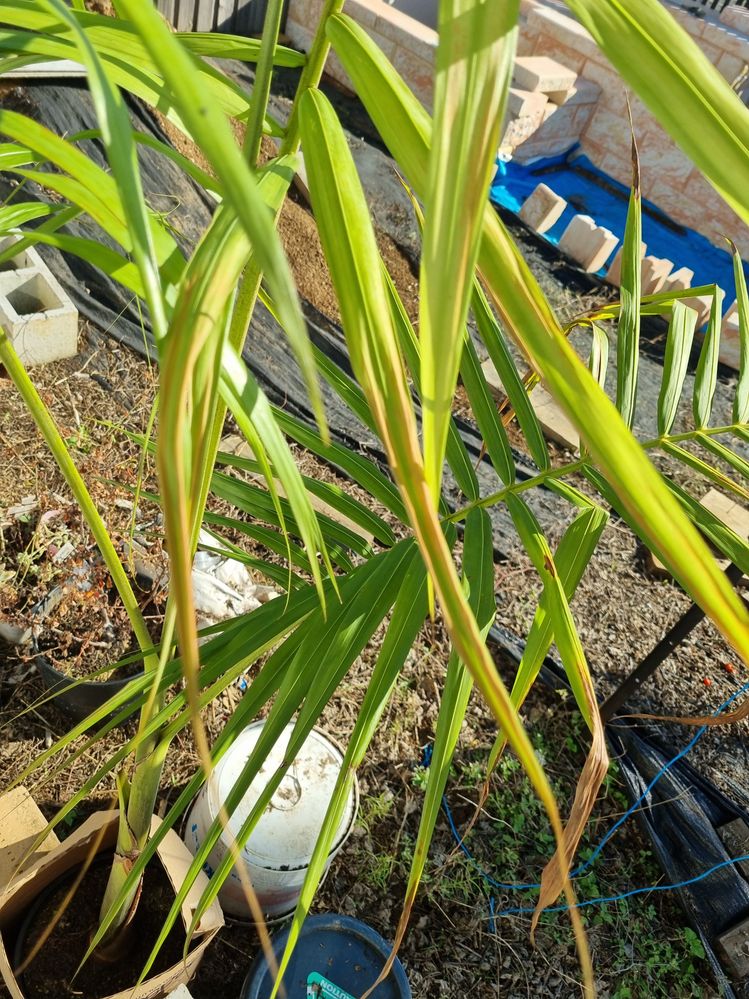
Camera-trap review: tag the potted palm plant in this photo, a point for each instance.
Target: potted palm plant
(199, 309)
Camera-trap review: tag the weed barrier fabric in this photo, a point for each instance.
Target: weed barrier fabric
(679, 815)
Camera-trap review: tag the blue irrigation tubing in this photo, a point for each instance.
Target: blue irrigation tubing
(580, 870)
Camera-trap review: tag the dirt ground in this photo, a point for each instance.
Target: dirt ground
(462, 942)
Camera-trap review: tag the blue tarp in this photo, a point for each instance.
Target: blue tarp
(588, 191)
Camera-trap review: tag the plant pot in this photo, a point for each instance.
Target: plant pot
(23, 890)
(348, 953)
(77, 698)
(278, 852)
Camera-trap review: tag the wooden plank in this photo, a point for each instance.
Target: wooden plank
(250, 16)
(168, 10)
(226, 16)
(185, 15)
(725, 508)
(205, 15)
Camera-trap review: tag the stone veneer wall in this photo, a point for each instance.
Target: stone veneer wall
(669, 179)
(409, 44)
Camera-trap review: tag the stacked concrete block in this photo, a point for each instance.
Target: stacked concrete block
(35, 312)
(588, 244)
(563, 123)
(518, 130)
(655, 271)
(542, 209)
(539, 73)
(524, 102)
(679, 280)
(614, 273)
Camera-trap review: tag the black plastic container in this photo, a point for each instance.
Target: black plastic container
(77, 698)
(348, 953)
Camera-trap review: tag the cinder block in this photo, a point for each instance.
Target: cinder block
(590, 245)
(733, 950)
(655, 270)
(542, 73)
(525, 102)
(735, 838)
(542, 209)
(37, 315)
(679, 280)
(614, 273)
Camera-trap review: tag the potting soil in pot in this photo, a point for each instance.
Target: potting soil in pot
(50, 974)
(89, 631)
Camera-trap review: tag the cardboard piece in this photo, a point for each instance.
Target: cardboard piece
(175, 858)
(20, 824)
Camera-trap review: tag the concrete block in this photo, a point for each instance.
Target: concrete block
(525, 102)
(542, 73)
(735, 838)
(542, 209)
(583, 92)
(730, 341)
(733, 950)
(37, 315)
(521, 129)
(614, 273)
(561, 97)
(655, 270)
(590, 245)
(679, 280)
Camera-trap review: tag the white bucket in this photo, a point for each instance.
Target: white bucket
(278, 852)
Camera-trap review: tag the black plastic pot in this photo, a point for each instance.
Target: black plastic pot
(77, 698)
(347, 952)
